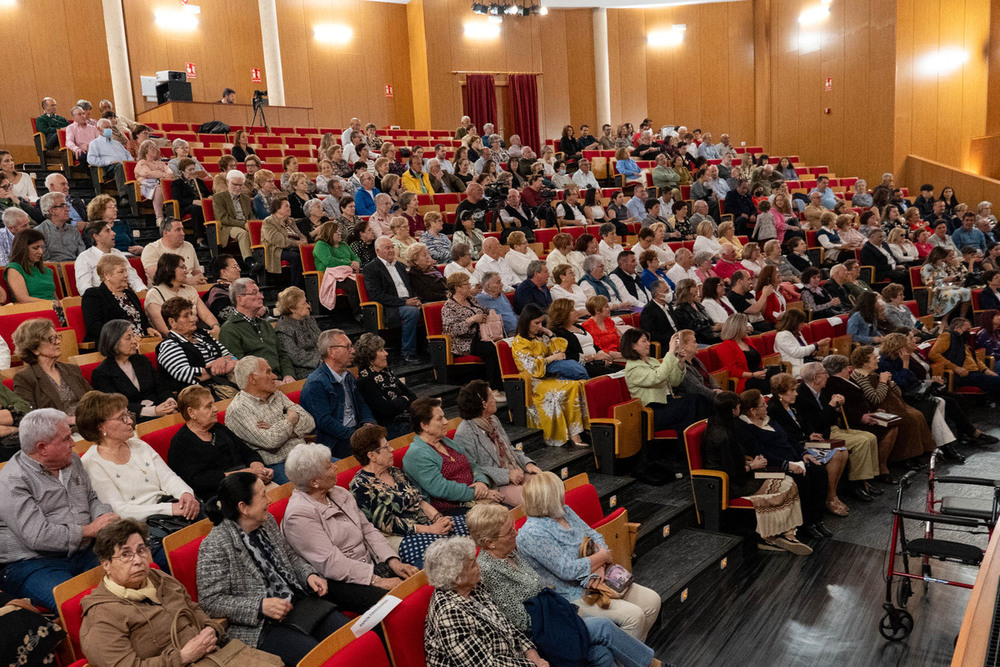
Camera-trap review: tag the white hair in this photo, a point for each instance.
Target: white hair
(12, 215)
(239, 288)
(50, 180)
(810, 370)
(305, 463)
(246, 367)
(309, 205)
(104, 122)
(178, 143)
(235, 176)
(48, 200)
(445, 559)
(40, 425)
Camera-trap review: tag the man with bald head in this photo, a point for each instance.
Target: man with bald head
(56, 182)
(388, 283)
(49, 124)
(839, 275)
(476, 203)
(493, 260)
(464, 128)
(345, 137)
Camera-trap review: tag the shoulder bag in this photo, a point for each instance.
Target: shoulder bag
(229, 652)
(491, 330)
(612, 586)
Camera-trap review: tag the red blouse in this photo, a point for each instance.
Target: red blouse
(605, 339)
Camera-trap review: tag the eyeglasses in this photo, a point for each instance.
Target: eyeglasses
(385, 448)
(125, 417)
(60, 206)
(54, 339)
(127, 556)
(6, 186)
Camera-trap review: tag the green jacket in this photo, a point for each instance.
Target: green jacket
(423, 464)
(48, 125)
(326, 255)
(648, 380)
(240, 338)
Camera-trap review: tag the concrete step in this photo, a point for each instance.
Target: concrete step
(660, 511)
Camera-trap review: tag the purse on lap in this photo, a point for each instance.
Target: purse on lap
(612, 586)
(232, 652)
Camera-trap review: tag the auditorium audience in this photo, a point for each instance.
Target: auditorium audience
(951, 350)
(689, 313)
(520, 256)
(233, 208)
(385, 395)
(169, 282)
(150, 172)
(565, 287)
(113, 299)
(246, 332)
(863, 322)
(127, 372)
(101, 231)
(387, 283)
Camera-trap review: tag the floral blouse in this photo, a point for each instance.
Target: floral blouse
(393, 510)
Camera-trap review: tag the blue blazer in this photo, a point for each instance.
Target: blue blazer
(323, 398)
(364, 203)
(861, 331)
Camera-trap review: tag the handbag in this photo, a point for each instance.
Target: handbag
(557, 630)
(232, 652)
(307, 612)
(612, 586)
(491, 330)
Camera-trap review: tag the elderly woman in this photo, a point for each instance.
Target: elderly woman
(103, 208)
(706, 241)
(138, 614)
(565, 287)
(511, 582)
(426, 280)
(461, 317)
(898, 314)
(472, 236)
(387, 397)
(46, 382)
(393, 502)
(520, 255)
(461, 262)
(227, 269)
(250, 575)
(602, 327)
(595, 282)
(464, 628)
(815, 297)
(313, 218)
(550, 541)
(204, 451)
(150, 172)
(297, 332)
(585, 246)
(689, 313)
(401, 238)
(266, 193)
(26, 274)
(282, 240)
(127, 473)
(169, 282)
(113, 299)
(188, 356)
(487, 444)
(941, 273)
(535, 350)
(560, 251)
(125, 371)
(861, 198)
(324, 525)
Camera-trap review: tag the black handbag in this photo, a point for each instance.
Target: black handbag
(307, 612)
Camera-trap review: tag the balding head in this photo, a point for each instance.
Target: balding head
(728, 252)
(839, 273)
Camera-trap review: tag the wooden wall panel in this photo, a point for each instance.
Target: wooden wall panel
(224, 47)
(39, 62)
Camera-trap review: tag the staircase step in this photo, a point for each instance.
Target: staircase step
(660, 511)
(564, 461)
(688, 567)
(608, 487)
(446, 392)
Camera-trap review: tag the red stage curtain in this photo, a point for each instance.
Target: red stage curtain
(479, 97)
(524, 105)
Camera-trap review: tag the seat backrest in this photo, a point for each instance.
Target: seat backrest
(506, 357)
(160, 439)
(359, 280)
(585, 502)
(602, 394)
(397, 456)
(432, 318)
(74, 318)
(279, 501)
(69, 595)
(708, 357)
(341, 649)
(11, 316)
(182, 554)
(692, 443)
(308, 261)
(68, 270)
(403, 627)
(254, 227)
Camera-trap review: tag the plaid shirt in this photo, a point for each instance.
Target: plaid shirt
(471, 632)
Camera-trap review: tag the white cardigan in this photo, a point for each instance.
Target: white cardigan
(133, 488)
(791, 350)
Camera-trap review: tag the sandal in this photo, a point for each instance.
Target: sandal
(836, 507)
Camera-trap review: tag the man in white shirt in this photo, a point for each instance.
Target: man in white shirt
(442, 158)
(683, 267)
(629, 287)
(86, 263)
(345, 137)
(353, 147)
(492, 260)
(584, 177)
(388, 283)
(172, 241)
(609, 247)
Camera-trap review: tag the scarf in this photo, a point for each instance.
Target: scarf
(601, 286)
(147, 592)
(280, 581)
(493, 433)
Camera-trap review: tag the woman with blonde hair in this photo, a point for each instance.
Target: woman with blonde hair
(902, 248)
(150, 172)
(727, 234)
(401, 239)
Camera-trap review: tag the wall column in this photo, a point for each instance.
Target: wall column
(419, 81)
(121, 74)
(602, 69)
(272, 52)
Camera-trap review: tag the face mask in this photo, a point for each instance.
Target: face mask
(107, 133)
(562, 172)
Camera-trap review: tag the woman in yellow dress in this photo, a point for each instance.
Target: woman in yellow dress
(557, 395)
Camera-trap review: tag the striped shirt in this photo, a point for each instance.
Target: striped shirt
(171, 357)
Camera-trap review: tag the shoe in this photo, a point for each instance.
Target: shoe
(840, 509)
(951, 454)
(500, 398)
(859, 493)
(411, 358)
(888, 478)
(986, 439)
(811, 532)
(872, 491)
(821, 528)
(792, 546)
(764, 545)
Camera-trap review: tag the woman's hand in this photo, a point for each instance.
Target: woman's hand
(884, 377)
(532, 655)
(760, 375)
(199, 646)
(151, 332)
(167, 407)
(318, 584)
(277, 608)
(217, 366)
(187, 507)
(404, 570)
(797, 467)
(599, 559)
(480, 490)
(825, 342)
(214, 331)
(516, 475)
(675, 340)
(388, 583)
(558, 356)
(811, 459)
(355, 266)
(758, 462)
(441, 526)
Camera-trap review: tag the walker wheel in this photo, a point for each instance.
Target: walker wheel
(904, 593)
(898, 630)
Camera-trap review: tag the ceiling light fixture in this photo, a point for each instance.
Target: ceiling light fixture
(501, 8)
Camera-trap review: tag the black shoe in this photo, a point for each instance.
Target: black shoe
(859, 493)
(811, 531)
(986, 439)
(951, 454)
(872, 491)
(821, 528)
(411, 358)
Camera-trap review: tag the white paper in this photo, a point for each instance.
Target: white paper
(375, 615)
(834, 321)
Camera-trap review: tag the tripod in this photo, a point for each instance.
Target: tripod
(258, 108)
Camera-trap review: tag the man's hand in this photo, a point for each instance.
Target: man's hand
(413, 301)
(961, 371)
(797, 467)
(135, 250)
(263, 424)
(90, 530)
(836, 400)
(292, 416)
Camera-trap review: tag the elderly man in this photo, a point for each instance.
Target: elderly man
(700, 215)
(49, 513)
(836, 285)
(629, 286)
(85, 267)
(492, 260)
(718, 185)
(683, 267)
(854, 286)
(534, 288)
(331, 205)
(765, 177)
(364, 198)
(122, 124)
(485, 155)
(516, 216)
(79, 134)
(464, 127)
(182, 150)
(637, 204)
(172, 241)
(331, 394)
(664, 178)
(584, 177)
(708, 150)
(14, 220)
(49, 123)
(106, 152)
(232, 210)
(491, 297)
(739, 203)
(474, 202)
(246, 333)
(828, 198)
(56, 182)
(701, 190)
(62, 240)
(729, 262)
(352, 150)
(820, 415)
(264, 417)
(388, 283)
(415, 179)
(345, 136)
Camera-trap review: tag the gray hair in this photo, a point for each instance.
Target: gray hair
(305, 463)
(591, 262)
(380, 197)
(606, 228)
(178, 143)
(310, 205)
(445, 559)
(239, 288)
(40, 425)
(983, 204)
(104, 122)
(246, 367)
(167, 224)
(12, 215)
(702, 257)
(488, 276)
(835, 363)
(810, 370)
(325, 340)
(235, 176)
(48, 201)
(366, 348)
(535, 266)
(50, 179)
(657, 287)
(111, 335)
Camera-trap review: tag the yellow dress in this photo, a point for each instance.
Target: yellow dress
(558, 407)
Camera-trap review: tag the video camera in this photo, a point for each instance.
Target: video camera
(259, 98)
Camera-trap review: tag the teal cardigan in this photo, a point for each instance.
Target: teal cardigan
(423, 463)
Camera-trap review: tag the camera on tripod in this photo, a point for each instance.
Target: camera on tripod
(259, 98)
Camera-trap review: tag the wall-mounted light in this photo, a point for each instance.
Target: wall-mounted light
(8, 3)
(672, 37)
(808, 41)
(482, 30)
(815, 14)
(185, 18)
(542, 11)
(333, 33)
(942, 61)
